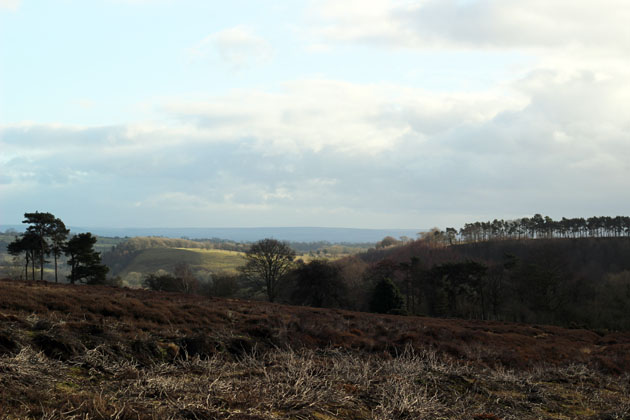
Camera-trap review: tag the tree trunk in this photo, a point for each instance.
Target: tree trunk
(33, 266)
(41, 264)
(56, 280)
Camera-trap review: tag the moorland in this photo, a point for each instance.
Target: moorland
(99, 352)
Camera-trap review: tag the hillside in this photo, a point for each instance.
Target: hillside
(201, 261)
(100, 352)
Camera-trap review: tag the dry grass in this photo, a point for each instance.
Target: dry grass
(325, 384)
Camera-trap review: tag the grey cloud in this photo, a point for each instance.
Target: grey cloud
(485, 23)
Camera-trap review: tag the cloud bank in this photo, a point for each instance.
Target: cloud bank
(353, 155)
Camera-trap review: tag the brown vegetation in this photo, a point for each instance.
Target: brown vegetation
(77, 352)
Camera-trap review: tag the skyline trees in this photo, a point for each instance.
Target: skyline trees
(535, 227)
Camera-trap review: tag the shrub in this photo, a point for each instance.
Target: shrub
(221, 285)
(170, 283)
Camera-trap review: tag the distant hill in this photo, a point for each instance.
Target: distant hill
(292, 234)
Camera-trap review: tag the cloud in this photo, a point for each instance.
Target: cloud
(10, 4)
(313, 115)
(325, 152)
(142, 2)
(239, 47)
(478, 23)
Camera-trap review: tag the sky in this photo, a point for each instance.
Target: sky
(325, 113)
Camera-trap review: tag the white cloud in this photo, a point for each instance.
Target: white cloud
(10, 4)
(239, 47)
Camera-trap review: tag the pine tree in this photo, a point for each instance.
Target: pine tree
(42, 225)
(85, 263)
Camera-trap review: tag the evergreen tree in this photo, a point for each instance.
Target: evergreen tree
(386, 298)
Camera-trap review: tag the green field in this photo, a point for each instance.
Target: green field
(212, 260)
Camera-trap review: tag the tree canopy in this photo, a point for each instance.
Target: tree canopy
(319, 284)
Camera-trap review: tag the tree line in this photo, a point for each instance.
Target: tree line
(47, 235)
(538, 226)
(569, 283)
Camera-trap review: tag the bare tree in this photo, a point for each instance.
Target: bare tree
(268, 262)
